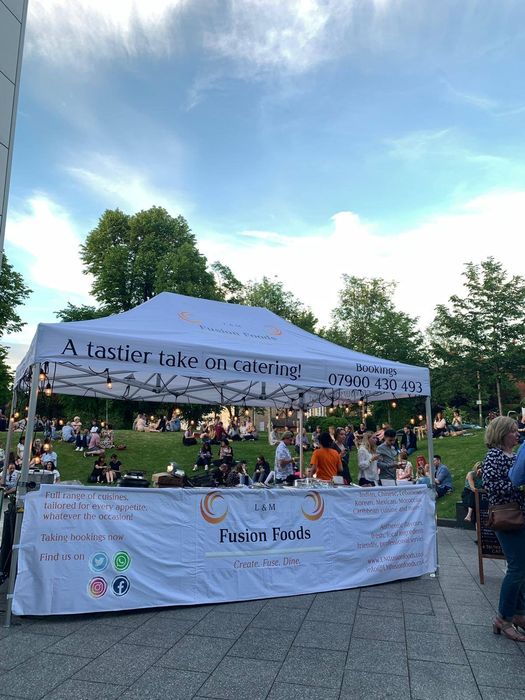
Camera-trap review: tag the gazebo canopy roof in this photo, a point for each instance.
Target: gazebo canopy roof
(180, 349)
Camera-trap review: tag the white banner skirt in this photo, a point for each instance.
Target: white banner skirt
(94, 549)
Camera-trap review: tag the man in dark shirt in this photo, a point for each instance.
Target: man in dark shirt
(409, 440)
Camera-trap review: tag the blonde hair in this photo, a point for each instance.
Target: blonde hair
(498, 429)
(370, 446)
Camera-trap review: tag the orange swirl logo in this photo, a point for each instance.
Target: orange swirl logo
(207, 508)
(318, 506)
(186, 316)
(274, 330)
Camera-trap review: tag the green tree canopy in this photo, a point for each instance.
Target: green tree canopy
(482, 331)
(13, 293)
(133, 258)
(272, 295)
(366, 320)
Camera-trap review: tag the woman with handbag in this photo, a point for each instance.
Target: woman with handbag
(506, 516)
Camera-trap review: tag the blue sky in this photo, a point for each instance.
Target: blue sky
(303, 139)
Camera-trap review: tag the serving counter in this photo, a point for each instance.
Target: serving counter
(93, 549)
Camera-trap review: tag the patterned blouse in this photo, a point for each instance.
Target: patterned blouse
(499, 489)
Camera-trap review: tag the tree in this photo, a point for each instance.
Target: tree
(482, 331)
(366, 320)
(272, 295)
(6, 377)
(230, 289)
(133, 258)
(79, 313)
(14, 292)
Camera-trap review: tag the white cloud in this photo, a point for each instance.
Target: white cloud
(83, 31)
(418, 144)
(46, 234)
(119, 184)
(427, 260)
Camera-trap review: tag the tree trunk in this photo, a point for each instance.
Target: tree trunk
(498, 392)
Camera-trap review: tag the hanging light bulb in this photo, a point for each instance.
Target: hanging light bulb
(61, 422)
(347, 409)
(102, 424)
(360, 402)
(48, 390)
(290, 411)
(412, 421)
(394, 404)
(420, 417)
(177, 411)
(152, 417)
(42, 375)
(331, 409)
(17, 415)
(109, 383)
(246, 411)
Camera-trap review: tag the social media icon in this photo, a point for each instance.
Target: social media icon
(97, 587)
(98, 562)
(121, 561)
(120, 585)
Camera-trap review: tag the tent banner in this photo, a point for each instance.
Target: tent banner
(94, 549)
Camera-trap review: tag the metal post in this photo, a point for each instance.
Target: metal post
(301, 452)
(22, 489)
(479, 401)
(428, 411)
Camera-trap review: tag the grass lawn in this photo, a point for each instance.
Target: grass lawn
(151, 452)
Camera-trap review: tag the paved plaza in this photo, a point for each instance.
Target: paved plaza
(424, 639)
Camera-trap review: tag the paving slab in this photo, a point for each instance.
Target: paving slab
(425, 638)
(363, 685)
(233, 679)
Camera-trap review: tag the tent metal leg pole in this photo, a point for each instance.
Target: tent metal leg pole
(301, 450)
(22, 490)
(10, 429)
(430, 441)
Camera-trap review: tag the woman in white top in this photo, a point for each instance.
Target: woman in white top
(50, 467)
(367, 461)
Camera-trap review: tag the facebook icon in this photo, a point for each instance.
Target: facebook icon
(120, 585)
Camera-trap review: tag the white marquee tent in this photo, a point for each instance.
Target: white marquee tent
(178, 349)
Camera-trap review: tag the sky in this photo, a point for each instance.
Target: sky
(301, 139)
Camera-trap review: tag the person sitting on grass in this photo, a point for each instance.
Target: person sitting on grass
(225, 453)
(262, 469)
(422, 476)
(220, 475)
(404, 471)
(304, 440)
(11, 479)
(113, 469)
(94, 446)
(68, 433)
(107, 437)
(443, 478)
(82, 440)
(205, 456)
(51, 468)
(250, 433)
(473, 481)
(440, 426)
(189, 439)
(97, 475)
